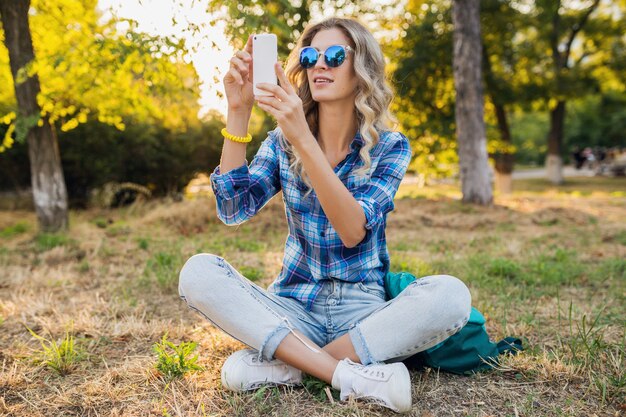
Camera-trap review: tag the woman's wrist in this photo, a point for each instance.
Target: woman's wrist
(237, 122)
(240, 111)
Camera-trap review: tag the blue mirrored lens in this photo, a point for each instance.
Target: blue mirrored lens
(308, 57)
(335, 55)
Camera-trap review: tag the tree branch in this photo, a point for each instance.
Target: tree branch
(576, 28)
(554, 36)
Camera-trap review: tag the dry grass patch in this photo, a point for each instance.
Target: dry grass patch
(547, 266)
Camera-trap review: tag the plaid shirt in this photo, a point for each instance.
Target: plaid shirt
(313, 250)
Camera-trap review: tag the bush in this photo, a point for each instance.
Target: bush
(94, 154)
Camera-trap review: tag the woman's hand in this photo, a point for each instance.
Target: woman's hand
(238, 80)
(286, 107)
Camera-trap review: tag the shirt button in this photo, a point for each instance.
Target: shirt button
(322, 234)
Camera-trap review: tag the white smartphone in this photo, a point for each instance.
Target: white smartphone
(264, 56)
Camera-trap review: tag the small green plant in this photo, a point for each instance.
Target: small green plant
(143, 243)
(60, 357)
(174, 361)
(14, 230)
(101, 222)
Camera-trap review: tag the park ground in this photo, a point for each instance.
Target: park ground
(544, 264)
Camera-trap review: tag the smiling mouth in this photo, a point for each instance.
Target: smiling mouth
(321, 81)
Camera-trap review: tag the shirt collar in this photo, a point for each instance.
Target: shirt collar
(357, 142)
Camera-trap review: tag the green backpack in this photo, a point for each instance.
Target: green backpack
(467, 351)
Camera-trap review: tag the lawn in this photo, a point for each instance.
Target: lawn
(84, 314)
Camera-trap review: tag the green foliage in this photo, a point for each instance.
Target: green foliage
(112, 75)
(14, 230)
(415, 266)
(101, 222)
(317, 388)
(529, 131)
(143, 243)
(504, 268)
(174, 361)
(94, 154)
(163, 267)
(24, 124)
(253, 274)
(422, 74)
(47, 241)
(62, 356)
(560, 267)
(152, 156)
(597, 120)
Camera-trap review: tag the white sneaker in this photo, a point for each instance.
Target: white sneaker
(242, 371)
(388, 385)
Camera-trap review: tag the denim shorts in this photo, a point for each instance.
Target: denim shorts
(427, 312)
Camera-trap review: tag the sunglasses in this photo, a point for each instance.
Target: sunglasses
(333, 55)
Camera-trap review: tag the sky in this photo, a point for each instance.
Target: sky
(155, 17)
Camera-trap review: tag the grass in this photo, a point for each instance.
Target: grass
(544, 264)
(14, 230)
(47, 241)
(162, 267)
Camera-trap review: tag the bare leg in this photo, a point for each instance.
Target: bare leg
(342, 348)
(318, 364)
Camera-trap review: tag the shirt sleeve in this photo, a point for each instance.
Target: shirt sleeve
(376, 196)
(241, 192)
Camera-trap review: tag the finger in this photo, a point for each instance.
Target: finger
(282, 77)
(245, 56)
(234, 74)
(269, 101)
(239, 64)
(268, 109)
(277, 91)
(248, 47)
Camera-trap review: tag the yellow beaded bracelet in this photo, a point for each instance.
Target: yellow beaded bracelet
(241, 139)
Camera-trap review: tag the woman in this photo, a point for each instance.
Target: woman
(339, 167)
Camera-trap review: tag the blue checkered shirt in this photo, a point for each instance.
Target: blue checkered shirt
(313, 250)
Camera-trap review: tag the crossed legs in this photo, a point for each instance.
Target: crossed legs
(427, 312)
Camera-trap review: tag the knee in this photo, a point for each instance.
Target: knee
(196, 274)
(454, 295)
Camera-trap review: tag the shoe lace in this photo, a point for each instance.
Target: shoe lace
(370, 371)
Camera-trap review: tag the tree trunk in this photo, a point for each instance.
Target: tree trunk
(48, 183)
(554, 162)
(470, 124)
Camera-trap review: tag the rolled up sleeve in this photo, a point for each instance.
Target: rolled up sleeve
(241, 192)
(376, 196)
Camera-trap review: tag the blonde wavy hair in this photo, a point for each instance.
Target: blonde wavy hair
(374, 94)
